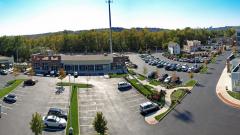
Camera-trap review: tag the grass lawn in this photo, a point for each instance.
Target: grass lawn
(131, 72)
(117, 75)
(149, 87)
(141, 88)
(73, 111)
(234, 94)
(154, 82)
(80, 85)
(190, 83)
(204, 70)
(141, 77)
(176, 95)
(11, 87)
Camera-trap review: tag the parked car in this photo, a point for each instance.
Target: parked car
(3, 72)
(10, 98)
(54, 121)
(152, 75)
(176, 80)
(57, 112)
(168, 79)
(163, 77)
(29, 82)
(148, 107)
(124, 85)
(159, 65)
(75, 74)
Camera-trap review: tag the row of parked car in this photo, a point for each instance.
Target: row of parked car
(151, 60)
(200, 59)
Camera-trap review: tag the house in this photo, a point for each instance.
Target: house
(192, 46)
(174, 48)
(238, 39)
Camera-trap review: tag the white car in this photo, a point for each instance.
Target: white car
(54, 121)
(168, 79)
(124, 85)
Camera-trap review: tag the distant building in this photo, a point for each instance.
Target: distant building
(6, 62)
(174, 48)
(235, 74)
(192, 46)
(238, 39)
(83, 64)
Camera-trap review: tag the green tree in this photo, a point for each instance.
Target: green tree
(36, 124)
(100, 124)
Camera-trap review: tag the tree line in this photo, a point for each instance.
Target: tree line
(96, 41)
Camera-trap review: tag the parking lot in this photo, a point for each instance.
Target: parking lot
(121, 109)
(4, 79)
(30, 99)
(141, 64)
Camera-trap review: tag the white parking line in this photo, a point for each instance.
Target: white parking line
(7, 107)
(84, 111)
(21, 95)
(86, 125)
(134, 100)
(4, 113)
(133, 106)
(86, 117)
(21, 91)
(57, 102)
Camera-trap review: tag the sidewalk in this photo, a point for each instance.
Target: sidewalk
(223, 82)
(151, 118)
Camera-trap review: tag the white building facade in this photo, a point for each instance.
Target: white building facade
(174, 48)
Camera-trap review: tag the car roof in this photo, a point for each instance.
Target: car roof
(51, 117)
(122, 82)
(54, 109)
(145, 104)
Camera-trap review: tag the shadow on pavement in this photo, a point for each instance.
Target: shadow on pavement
(53, 129)
(185, 116)
(199, 85)
(209, 73)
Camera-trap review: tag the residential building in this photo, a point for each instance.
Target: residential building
(174, 48)
(6, 62)
(192, 46)
(235, 74)
(83, 64)
(238, 39)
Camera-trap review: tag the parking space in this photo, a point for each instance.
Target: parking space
(31, 99)
(121, 108)
(141, 64)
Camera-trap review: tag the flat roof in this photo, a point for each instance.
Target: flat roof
(5, 58)
(87, 57)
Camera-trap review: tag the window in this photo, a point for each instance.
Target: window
(82, 68)
(90, 67)
(76, 68)
(98, 67)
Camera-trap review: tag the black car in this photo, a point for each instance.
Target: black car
(57, 112)
(176, 81)
(29, 82)
(163, 77)
(159, 65)
(10, 98)
(151, 75)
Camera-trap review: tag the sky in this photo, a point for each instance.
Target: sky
(23, 17)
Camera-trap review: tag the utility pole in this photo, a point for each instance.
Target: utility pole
(110, 24)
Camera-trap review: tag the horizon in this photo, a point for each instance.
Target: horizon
(38, 17)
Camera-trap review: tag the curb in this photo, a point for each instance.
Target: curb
(224, 100)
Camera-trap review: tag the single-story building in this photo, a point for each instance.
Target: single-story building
(82, 64)
(192, 46)
(6, 62)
